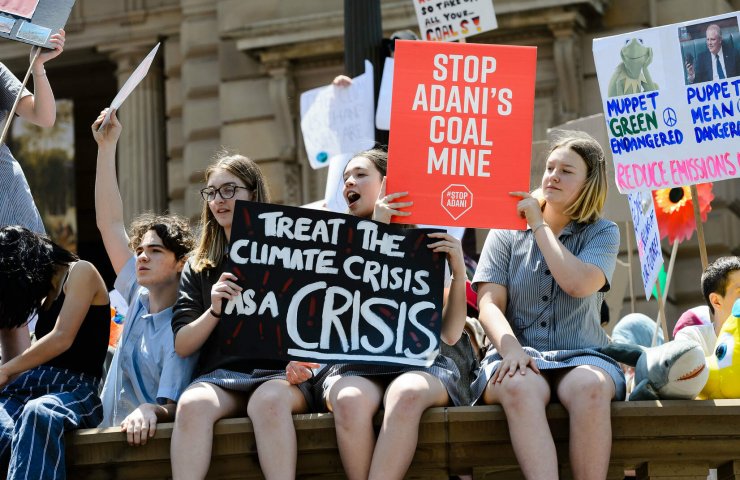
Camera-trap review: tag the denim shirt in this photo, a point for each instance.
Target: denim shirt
(145, 367)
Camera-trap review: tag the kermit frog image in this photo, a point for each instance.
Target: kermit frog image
(632, 75)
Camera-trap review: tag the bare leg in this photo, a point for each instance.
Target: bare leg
(406, 399)
(200, 406)
(270, 408)
(524, 398)
(586, 392)
(354, 401)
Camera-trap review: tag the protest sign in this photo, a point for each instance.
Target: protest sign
(385, 96)
(447, 20)
(136, 77)
(461, 132)
(642, 211)
(33, 21)
(338, 120)
(673, 117)
(327, 287)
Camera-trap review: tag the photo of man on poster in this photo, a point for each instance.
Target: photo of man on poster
(718, 61)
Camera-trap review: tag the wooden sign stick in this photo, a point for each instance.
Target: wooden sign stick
(661, 316)
(699, 227)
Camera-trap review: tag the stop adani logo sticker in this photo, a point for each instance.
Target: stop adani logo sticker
(456, 200)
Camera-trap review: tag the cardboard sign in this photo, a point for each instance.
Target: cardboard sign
(448, 20)
(327, 287)
(461, 132)
(338, 120)
(33, 21)
(673, 117)
(385, 97)
(133, 81)
(647, 234)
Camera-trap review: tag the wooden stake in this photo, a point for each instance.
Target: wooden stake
(627, 229)
(699, 227)
(669, 273)
(661, 316)
(11, 114)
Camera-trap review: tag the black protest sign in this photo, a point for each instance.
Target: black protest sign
(330, 288)
(33, 21)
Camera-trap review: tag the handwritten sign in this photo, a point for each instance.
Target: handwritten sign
(338, 120)
(385, 97)
(462, 132)
(327, 287)
(669, 122)
(647, 234)
(447, 20)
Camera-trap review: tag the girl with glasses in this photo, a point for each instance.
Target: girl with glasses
(228, 386)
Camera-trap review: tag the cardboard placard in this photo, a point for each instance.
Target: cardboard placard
(461, 132)
(672, 115)
(448, 20)
(647, 234)
(327, 287)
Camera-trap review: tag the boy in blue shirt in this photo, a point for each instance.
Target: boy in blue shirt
(146, 376)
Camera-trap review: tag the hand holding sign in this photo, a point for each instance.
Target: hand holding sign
(46, 54)
(529, 208)
(385, 208)
(224, 290)
(298, 372)
(131, 83)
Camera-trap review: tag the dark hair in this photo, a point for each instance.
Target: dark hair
(28, 262)
(378, 157)
(174, 231)
(714, 278)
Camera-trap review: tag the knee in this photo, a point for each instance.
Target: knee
(586, 393)
(351, 406)
(520, 391)
(269, 403)
(37, 409)
(405, 402)
(193, 411)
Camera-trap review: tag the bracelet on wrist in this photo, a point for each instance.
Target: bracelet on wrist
(40, 74)
(538, 226)
(214, 314)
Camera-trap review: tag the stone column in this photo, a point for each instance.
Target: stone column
(142, 161)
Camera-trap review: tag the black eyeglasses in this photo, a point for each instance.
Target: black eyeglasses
(226, 191)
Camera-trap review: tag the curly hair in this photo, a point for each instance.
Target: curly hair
(173, 230)
(28, 262)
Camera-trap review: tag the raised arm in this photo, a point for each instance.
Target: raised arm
(40, 108)
(108, 204)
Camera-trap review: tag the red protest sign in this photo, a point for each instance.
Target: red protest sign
(461, 132)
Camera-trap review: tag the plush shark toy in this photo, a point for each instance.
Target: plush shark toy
(674, 370)
(724, 365)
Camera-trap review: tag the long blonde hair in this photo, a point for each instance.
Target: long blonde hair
(588, 206)
(212, 244)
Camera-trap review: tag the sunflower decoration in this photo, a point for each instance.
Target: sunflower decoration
(675, 210)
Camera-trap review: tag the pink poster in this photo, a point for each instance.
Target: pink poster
(21, 8)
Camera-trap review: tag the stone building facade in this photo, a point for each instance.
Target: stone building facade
(230, 73)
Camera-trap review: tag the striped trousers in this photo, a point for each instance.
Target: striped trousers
(36, 409)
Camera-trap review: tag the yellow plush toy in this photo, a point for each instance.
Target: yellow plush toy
(724, 365)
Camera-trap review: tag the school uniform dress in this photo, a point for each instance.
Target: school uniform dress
(145, 367)
(16, 202)
(39, 406)
(558, 330)
(214, 366)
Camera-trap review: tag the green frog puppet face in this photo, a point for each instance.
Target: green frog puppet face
(635, 57)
